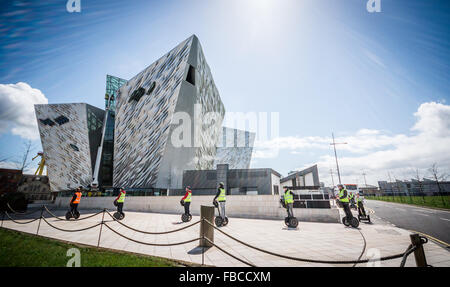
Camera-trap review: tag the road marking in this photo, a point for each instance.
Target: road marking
(431, 237)
(445, 219)
(422, 214)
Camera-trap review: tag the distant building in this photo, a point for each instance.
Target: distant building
(237, 181)
(308, 177)
(35, 187)
(369, 189)
(9, 180)
(414, 187)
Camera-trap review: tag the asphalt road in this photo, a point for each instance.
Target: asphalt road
(429, 221)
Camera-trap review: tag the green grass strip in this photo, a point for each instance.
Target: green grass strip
(19, 249)
(427, 201)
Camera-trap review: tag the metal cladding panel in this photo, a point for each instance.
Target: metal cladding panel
(212, 112)
(236, 148)
(142, 125)
(64, 135)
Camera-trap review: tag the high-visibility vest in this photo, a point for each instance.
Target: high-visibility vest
(288, 197)
(341, 194)
(78, 198)
(221, 195)
(121, 197)
(351, 196)
(188, 197)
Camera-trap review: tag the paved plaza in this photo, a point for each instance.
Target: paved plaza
(324, 241)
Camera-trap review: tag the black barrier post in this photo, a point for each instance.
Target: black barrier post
(206, 230)
(203, 253)
(101, 227)
(419, 253)
(40, 218)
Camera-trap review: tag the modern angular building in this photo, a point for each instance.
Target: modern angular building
(168, 119)
(70, 135)
(163, 121)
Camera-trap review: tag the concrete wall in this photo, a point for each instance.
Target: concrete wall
(245, 206)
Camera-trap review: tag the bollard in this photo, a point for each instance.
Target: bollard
(206, 230)
(419, 253)
(40, 218)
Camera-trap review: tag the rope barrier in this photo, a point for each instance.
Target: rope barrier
(306, 259)
(63, 219)
(68, 230)
(229, 254)
(151, 244)
(33, 220)
(364, 247)
(21, 213)
(148, 232)
(408, 251)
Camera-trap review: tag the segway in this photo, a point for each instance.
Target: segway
(353, 205)
(118, 215)
(75, 215)
(353, 222)
(185, 217)
(289, 221)
(219, 220)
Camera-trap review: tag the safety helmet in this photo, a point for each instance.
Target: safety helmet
(221, 184)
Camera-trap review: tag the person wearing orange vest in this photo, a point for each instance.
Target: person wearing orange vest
(187, 200)
(76, 198)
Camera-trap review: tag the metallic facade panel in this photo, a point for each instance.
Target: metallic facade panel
(235, 149)
(69, 146)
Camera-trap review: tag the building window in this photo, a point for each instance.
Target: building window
(74, 147)
(47, 122)
(61, 120)
(191, 75)
(152, 87)
(137, 94)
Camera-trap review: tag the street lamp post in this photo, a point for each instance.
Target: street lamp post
(335, 155)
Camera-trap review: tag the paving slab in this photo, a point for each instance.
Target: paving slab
(322, 241)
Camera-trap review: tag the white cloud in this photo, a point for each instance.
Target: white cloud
(17, 109)
(377, 152)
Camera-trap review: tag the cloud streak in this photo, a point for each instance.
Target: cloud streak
(17, 109)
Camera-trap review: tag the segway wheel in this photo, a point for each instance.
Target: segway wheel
(368, 218)
(76, 215)
(190, 217)
(359, 217)
(185, 217)
(118, 216)
(68, 215)
(345, 221)
(354, 222)
(218, 221)
(226, 221)
(286, 221)
(293, 222)
(122, 216)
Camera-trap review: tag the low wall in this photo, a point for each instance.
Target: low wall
(245, 206)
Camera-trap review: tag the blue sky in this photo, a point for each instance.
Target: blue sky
(323, 65)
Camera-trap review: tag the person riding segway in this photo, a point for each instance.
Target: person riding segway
(352, 202)
(119, 201)
(288, 201)
(76, 198)
(186, 202)
(361, 210)
(219, 203)
(343, 198)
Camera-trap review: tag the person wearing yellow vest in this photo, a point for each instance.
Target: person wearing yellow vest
(289, 201)
(187, 200)
(76, 198)
(360, 205)
(120, 200)
(344, 199)
(221, 198)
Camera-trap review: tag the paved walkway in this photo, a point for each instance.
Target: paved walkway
(325, 241)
